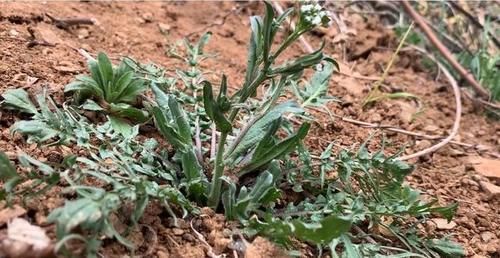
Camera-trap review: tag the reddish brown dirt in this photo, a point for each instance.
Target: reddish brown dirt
(132, 29)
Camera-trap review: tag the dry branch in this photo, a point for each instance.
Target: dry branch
(66, 23)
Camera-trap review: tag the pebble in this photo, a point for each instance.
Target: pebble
(177, 231)
(162, 254)
(489, 168)
(423, 144)
(83, 33)
(13, 33)
(491, 189)
(375, 118)
(477, 178)
(487, 236)
(430, 227)
(443, 223)
(164, 28)
(470, 182)
(147, 17)
(431, 128)
(189, 238)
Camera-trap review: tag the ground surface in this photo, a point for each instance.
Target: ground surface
(134, 29)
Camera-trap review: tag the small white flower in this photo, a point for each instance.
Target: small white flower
(317, 7)
(306, 8)
(316, 20)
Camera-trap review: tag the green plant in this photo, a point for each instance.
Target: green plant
(246, 141)
(116, 89)
(484, 66)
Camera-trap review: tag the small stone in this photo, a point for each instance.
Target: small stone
(140, 20)
(443, 223)
(487, 236)
(10, 213)
(423, 144)
(83, 33)
(164, 28)
(408, 110)
(491, 189)
(86, 47)
(13, 33)
(177, 231)
(430, 227)
(47, 33)
(489, 168)
(227, 232)
(431, 128)
(456, 152)
(470, 182)
(189, 238)
(147, 17)
(67, 67)
(162, 254)
(493, 248)
(477, 178)
(375, 118)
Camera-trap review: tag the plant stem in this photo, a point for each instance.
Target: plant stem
(243, 132)
(295, 35)
(376, 86)
(214, 196)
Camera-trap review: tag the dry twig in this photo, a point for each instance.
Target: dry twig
(478, 147)
(65, 24)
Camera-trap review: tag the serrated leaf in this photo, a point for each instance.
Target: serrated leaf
(127, 111)
(253, 49)
(446, 211)
(120, 126)
(323, 232)
(92, 106)
(260, 127)
(166, 130)
(213, 111)
(318, 86)
(276, 151)
(36, 130)
(28, 161)
(446, 248)
(203, 41)
(267, 26)
(183, 128)
(19, 99)
(300, 63)
(160, 96)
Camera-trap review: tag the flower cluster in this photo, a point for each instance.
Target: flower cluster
(313, 14)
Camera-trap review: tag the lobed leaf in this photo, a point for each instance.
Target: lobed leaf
(19, 99)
